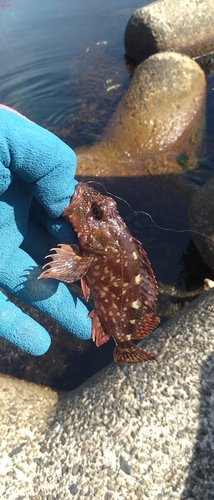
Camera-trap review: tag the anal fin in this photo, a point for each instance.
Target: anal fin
(98, 335)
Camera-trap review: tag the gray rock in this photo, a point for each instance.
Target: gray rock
(186, 27)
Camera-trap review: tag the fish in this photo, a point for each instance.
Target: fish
(113, 268)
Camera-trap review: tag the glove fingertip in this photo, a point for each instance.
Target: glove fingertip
(31, 338)
(21, 330)
(41, 345)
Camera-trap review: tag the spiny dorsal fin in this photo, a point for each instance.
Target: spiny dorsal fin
(149, 323)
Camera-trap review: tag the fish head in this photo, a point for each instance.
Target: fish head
(96, 220)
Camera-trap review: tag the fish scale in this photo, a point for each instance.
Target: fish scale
(113, 267)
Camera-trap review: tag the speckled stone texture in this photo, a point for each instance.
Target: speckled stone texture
(133, 432)
(185, 26)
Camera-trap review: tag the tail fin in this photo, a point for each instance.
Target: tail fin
(127, 353)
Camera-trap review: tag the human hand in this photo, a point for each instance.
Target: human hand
(36, 184)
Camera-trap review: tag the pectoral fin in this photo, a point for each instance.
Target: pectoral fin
(66, 265)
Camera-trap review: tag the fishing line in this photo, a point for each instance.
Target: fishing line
(137, 212)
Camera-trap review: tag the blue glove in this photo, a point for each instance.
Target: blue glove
(36, 184)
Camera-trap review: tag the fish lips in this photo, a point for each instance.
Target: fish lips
(69, 212)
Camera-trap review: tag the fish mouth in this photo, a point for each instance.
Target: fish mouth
(70, 210)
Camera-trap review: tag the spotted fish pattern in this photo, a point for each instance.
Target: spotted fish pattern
(113, 266)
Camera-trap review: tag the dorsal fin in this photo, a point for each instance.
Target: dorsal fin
(149, 323)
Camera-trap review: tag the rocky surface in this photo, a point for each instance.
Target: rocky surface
(186, 27)
(133, 432)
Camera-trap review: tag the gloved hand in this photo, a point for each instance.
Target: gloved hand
(36, 184)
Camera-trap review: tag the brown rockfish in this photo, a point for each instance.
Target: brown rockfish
(113, 266)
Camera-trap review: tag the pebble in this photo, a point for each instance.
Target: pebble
(124, 465)
(73, 489)
(108, 496)
(76, 469)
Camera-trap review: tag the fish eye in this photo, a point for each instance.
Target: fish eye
(97, 211)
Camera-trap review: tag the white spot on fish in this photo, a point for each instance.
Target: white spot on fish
(134, 254)
(95, 273)
(132, 321)
(137, 279)
(106, 270)
(136, 304)
(128, 337)
(110, 312)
